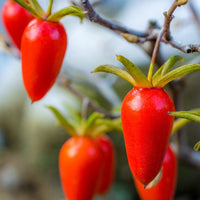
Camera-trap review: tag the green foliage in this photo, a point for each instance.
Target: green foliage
(197, 146)
(95, 125)
(138, 76)
(39, 12)
(65, 123)
(162, 76)
(36, 10)
(71, 10)
(190, 115)
(166, 67)
(116, 71)
(176, 73)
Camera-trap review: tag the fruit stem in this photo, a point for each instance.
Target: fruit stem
(48, 13)
(155, 51)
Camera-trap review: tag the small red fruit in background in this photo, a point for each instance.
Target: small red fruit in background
(15, 18)
(165, 188)
(43, 49)
(147, 128)
(80, 164)
(108, 173)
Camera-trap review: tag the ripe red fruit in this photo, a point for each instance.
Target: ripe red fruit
(108, 173)
(80, 164)
(147, 128)
(165, 188)
(43, 49)
(15, 18)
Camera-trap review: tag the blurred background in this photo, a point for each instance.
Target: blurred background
(30, 138)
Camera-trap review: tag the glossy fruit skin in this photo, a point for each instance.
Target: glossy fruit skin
(42, 50)
(165, 188)
(15, 18)
(80, 165)
(108, 173)
(147, 128)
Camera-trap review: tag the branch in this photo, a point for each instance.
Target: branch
(187, 49)
(94, 17)
(64, 82)
(164, 33)
(134, 36)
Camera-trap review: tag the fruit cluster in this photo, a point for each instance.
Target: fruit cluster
(147, 126)
(87, 167)
(87, 160)
(41, 40)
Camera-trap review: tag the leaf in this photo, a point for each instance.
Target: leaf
(62, 120)
(75, 116)
(116, 71)
(187, 115)
(112, 124)
(166, 67)
(96, 125)
(130, 38)
(71, 10)
(90, 123)
(93, 117)
(34, 4)
(29, 8)
(103, 126)
(176, 73)
(178, 124)
(139, 77)
(197, 146)
(170, 63)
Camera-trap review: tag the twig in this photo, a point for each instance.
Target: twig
(188, 156)
(191, 48)
(64, 82)
(164, 33)
(94, 17)
(138, 37)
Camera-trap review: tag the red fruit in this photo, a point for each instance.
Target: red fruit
(43, 49)
(15, 18)
(165, 188)
(147, 128)
(108, 173)
(80, 163)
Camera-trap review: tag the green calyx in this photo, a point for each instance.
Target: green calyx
(160, 78)
(33, 7)
(71, 10)
(131, 73)
(37, 11)
(95, 125)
